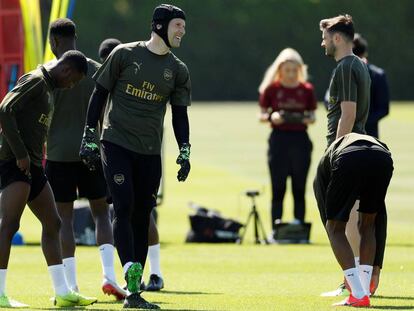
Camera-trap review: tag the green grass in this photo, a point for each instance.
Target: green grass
(228, 157)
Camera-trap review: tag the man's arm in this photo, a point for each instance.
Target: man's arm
(180, 99)
(320, 186)
(11, 132)
(380, 100)
(347, 96)
(182, 135)
(96, 103)
(347, 120)
(89, 149)
(180, 124)
(381, 237)
(27, 89)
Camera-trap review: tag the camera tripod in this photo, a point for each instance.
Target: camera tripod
(257, 223)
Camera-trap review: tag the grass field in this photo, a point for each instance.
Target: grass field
(229, 157)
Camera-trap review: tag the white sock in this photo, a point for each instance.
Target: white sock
(3, 273)
(58, 279)
(127, 265)
(107, 259)
(154, 259)
(356, 262)
(69, 265)
(365, 273)
(352, 277)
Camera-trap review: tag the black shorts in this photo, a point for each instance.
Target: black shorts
(10, 173)
(72, 180)
(363, 175)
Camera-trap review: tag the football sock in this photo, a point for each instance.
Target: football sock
(69, 265)
(127, 265)
(3, 273)
(58, 279)
(154, 259)
(365, 273)
(107, 259)
(352, 277)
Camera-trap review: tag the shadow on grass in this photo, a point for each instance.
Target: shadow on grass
(400, 245)
(67, 308)
(112, 302)
(174, 292)
(392, 307)
(37, 243)
(394, 297)
(168, 244)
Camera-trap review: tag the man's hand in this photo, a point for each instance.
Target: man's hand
(375, 280)
(24, 165)
(89, 149)
(184, 161)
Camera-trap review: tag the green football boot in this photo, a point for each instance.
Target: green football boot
(73, 299)
(133, 277)
(6, 302)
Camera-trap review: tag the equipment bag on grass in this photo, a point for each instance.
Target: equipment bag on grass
(209, 226)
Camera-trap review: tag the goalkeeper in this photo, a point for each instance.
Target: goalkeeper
(288, 102)
(140, 78)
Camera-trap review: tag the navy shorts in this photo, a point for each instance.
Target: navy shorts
(10, 173)
(73, 180)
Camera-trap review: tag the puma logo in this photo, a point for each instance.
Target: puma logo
(137, 67)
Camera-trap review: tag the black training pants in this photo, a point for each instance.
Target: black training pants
(289, 155)
(133, 180)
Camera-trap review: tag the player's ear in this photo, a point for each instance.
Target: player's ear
(336, 37)
(53, 42)
(65, 69)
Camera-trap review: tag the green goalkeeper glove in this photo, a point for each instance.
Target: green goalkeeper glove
(89, 149)
(184, 161)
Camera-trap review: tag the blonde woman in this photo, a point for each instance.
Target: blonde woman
(287, 102)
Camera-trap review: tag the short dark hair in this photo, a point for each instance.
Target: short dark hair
(106, 47)
(360, 45)
(76, 60)
(341, 23)
(63, 27)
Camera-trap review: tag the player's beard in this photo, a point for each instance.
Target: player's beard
(174, 42)
(330, 51)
